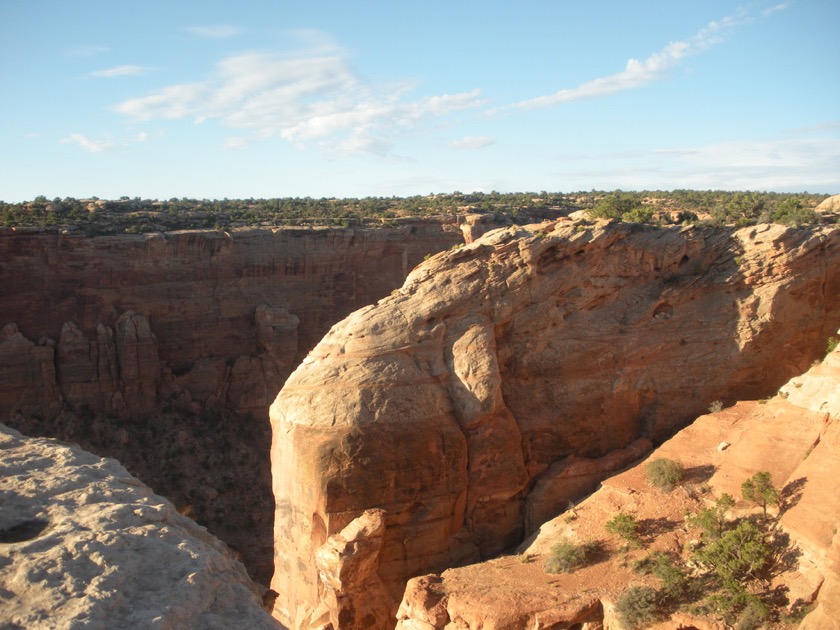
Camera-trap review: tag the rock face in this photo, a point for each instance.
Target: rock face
(444, 404)
(83, 543)
(798, 444)
(165, 350)
(132, 323)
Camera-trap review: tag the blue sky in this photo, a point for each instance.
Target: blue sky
(219, 99)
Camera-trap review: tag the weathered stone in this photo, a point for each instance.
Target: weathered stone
(82, 543)
(443, 402)
(799, 448)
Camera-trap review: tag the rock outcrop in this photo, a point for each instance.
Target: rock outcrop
(84, 544)
(444, 404)
(796, 441)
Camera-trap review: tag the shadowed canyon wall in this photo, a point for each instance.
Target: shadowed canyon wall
(411, 437)
(165, 350)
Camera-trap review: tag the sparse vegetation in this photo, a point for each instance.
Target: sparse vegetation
(716, 407)
(627, 527)
(565, 556)
(138, 216)
(831, 345)
(665, 474)
(637, 607)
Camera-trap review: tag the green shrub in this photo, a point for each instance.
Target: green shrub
(831, 345)
(667, 569)
(564, 557)
(626, 526)
(637, 607)
(665, 474)
(737, 555)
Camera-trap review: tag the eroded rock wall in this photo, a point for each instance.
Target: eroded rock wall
(165, 350)
(219, 318)
(445, 403)
(794, 436)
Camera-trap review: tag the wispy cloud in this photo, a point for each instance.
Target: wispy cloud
(120, 71)
(637, 73)
(217, 31)
(88, 144)
(805, 162)
(776, 8)
(471, 143)
(304, 97)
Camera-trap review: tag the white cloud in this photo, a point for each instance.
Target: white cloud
(471, 143)
(120, 71)
(781, 164)
(639, 73)
(310, 95)
(774, 9)
(217, 31)
(88, 144)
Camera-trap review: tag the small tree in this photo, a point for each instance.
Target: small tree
(626, 526)
(737, 555)
(759, 489)
(665, 474)
(713, 520)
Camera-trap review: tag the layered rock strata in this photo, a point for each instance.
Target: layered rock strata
(795, 436)
(85, 544)
(444, 404)
(165, 350)
(125, 324)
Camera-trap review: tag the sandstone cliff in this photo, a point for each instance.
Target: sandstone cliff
(219, 319)
(84, 544)
(165, 350)
(445, 404)
(794, 436)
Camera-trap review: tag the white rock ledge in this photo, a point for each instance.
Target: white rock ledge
(83, 544)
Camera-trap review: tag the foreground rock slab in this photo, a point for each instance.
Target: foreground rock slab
(525, 356)
(85, 544)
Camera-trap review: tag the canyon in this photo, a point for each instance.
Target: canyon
(165, 350)
(458, 405)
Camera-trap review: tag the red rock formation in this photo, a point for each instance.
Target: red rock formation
(798, 444)
(220, 318)
(444, 404)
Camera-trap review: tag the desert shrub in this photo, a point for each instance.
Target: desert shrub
(667, 569)
(637, 607)
(712, 520)
(753, 616)
(831, 345)
(737, 555)
(626, 526)
(665, 474)
(759, 489)
(715, 407)
(564, 557)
